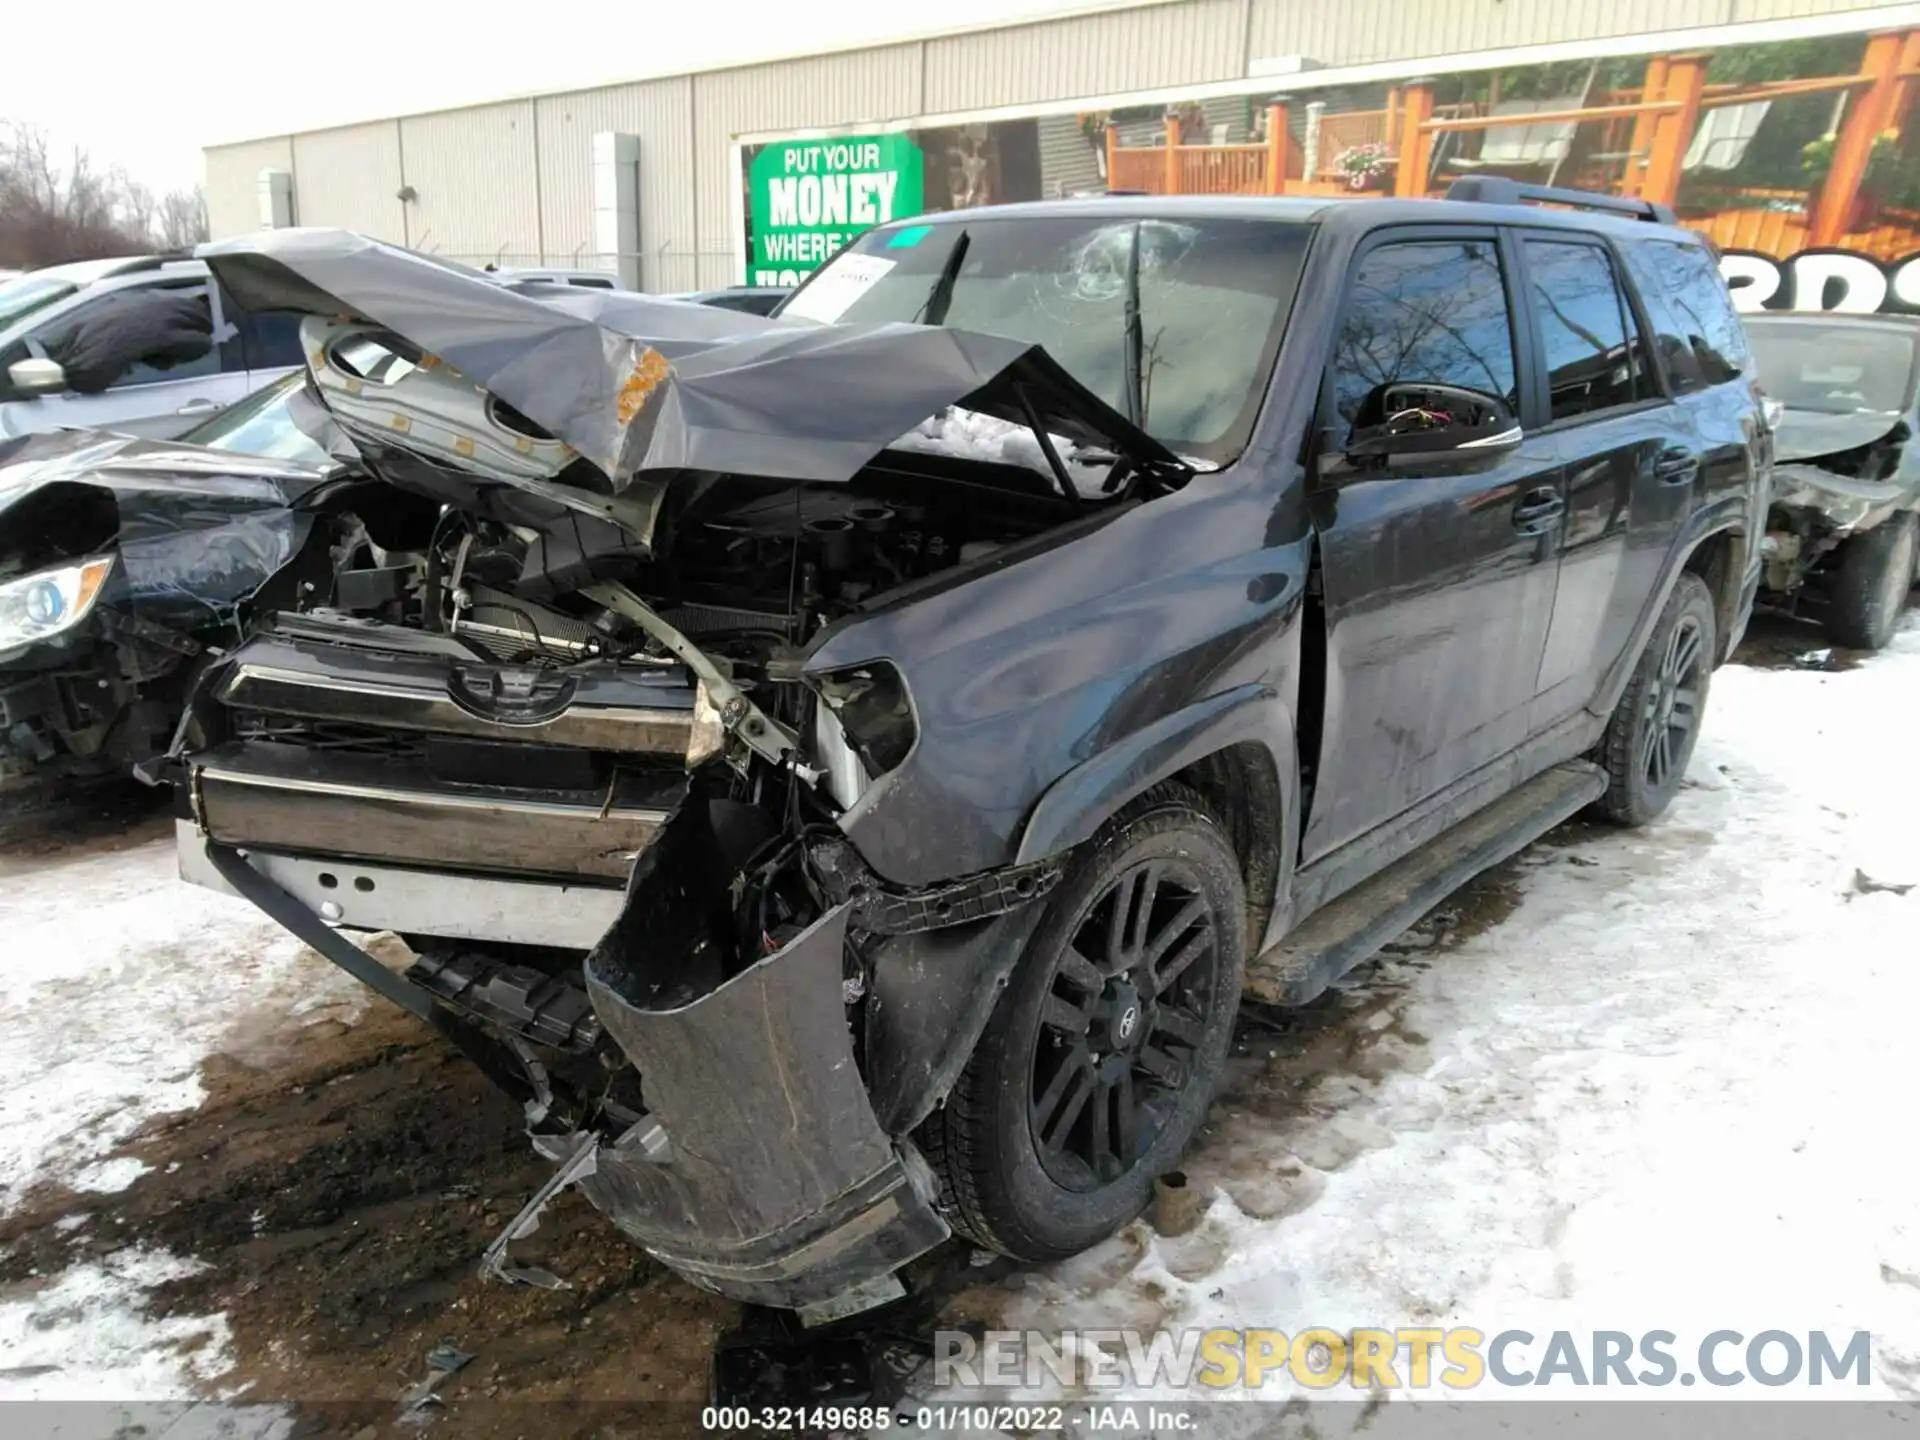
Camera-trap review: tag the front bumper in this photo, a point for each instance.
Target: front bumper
(781, 1190)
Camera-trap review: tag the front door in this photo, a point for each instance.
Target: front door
(1437, 583)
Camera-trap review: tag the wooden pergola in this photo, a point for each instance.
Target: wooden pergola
(1654, 123)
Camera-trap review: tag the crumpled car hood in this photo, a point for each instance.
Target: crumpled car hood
(1809, 434)
(636, 384)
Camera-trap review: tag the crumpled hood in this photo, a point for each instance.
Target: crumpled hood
(1809, 434)
(637, 384)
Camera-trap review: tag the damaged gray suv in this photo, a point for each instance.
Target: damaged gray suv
(841, 771)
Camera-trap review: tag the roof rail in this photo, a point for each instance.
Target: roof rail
(139, 264)
(1498, 190)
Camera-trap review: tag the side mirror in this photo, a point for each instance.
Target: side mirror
(34, 376)
(1408, 424)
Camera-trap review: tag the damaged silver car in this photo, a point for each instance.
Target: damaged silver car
(1843, 534)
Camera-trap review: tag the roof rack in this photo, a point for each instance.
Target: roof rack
(1498, 190)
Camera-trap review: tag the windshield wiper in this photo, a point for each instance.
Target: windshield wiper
(934, 310)
(1136, 397)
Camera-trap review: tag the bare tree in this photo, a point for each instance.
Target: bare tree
(181, 221)
(51, 213)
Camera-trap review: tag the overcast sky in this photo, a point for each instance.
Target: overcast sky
(146, 86)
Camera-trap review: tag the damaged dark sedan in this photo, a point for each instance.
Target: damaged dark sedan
(840, 771)
(1843, 535)
(124, 565)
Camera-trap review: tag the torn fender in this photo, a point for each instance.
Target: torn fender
(1848, 505)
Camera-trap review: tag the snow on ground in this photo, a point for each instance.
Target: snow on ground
(119, 981)
(1669, 1091)
(1672, 1091)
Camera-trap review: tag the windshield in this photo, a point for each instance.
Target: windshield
(262, 424)
(1835, 369)
(1213, 297)
(20, 298)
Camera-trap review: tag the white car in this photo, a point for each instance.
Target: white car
(584, 279)
(39, 309)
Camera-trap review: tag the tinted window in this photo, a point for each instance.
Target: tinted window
(592, 284)
(1589, 348)
(1425, 312)
(1213, 297)
(1696, 328)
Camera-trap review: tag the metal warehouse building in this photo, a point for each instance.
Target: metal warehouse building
(653, 177)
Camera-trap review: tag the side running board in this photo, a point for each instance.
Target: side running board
(1331, 941)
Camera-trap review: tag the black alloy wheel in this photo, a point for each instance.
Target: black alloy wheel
(1672, 704)
(1123, 1023)
(1104, 1050)
(1650, 739)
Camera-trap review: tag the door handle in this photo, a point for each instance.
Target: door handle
(1538, 511)
(198, 406)
(1675, 466)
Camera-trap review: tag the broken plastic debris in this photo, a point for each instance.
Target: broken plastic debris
(582, 1155)
(443, 1361)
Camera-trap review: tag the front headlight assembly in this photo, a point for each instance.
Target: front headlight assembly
(39, 606)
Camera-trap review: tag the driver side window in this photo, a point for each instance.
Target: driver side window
(129, 338)
(1425, 312)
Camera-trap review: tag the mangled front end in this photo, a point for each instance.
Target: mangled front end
(123, 563)
(564, 723)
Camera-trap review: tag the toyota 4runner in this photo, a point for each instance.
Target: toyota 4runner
(843, 771)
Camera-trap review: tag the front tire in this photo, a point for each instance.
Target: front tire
(1649, 740)
(1870, 588)
(1102, 1055)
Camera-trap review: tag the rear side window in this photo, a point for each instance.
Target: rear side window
(1425, 312)
(1696, 328)
(1590, 346)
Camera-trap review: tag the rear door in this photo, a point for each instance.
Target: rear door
(1630, 458)
(1436, 583)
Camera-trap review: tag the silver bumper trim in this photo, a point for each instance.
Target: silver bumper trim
(353, 895)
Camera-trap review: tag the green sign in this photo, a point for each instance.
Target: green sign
(810, 197)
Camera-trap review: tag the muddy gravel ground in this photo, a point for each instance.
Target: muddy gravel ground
(340, 1185)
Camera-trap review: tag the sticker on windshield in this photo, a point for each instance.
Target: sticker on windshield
(906, 239)
(834, 290)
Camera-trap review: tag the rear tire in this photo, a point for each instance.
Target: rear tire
(1102, 1055)
(1650, 737)
(1870, 587)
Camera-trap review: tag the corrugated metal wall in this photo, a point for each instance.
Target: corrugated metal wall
(351, 177)
(1183, 44)
(1354, 32)
(476, 185)
(514, 180)
(233, 181)
(660, 112)
(876, 84)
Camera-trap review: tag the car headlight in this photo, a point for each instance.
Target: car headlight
(46, 602)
